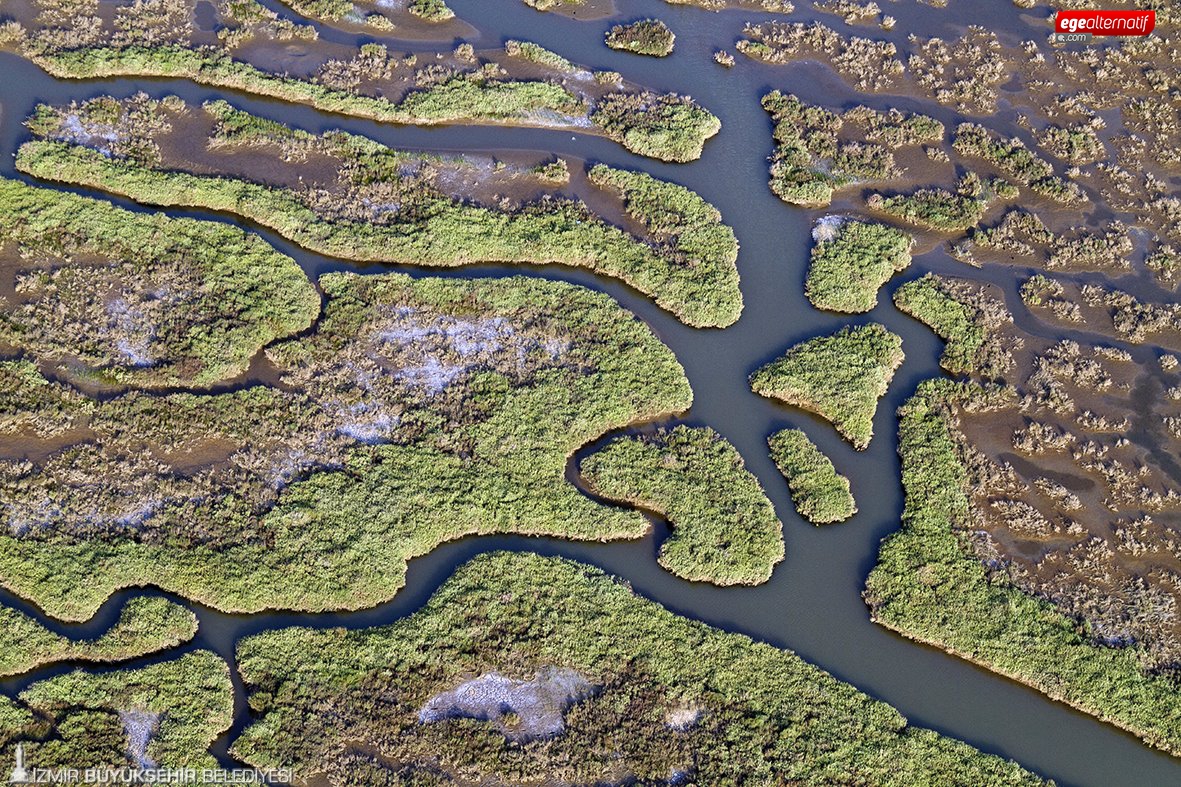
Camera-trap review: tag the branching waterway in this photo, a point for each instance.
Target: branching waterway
(813, 603)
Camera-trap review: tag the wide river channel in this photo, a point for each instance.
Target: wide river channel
(813, 603)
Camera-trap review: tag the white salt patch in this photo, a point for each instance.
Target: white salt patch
(539, 703)
(139, 726)
(827, 227)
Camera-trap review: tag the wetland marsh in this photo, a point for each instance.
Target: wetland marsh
(812, 602)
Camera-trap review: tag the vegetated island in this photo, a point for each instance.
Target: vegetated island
(164, 715)
(838, 377)
(820, 494)
(725, 530)
(650, 37)
(146, 624)
(522, 84)
(415, 411)
(818, 151)
(1034, 539)
(141, 299)
(534, 669)
(363, 201)
(851, 260)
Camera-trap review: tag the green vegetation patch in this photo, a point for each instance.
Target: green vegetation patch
(143, 299)
(644, 37)
(937, 208)
(928, 586)
(147, 624)
(379, 212)
(724, 528)
(819, 151)
(669, 696)
(163, 715)
(820, 494)
(851, 261)
(838, 377)
(416, 411)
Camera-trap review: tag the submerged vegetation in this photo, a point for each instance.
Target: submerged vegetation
(147, 624)
(724, 528)
(644, 37)
(388, 205)
(415, 412)
(820, 494)
(851, 261)
(141, 299)
(666, 696)
(819, 151)
(838, 377)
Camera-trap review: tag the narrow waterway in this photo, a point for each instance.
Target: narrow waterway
(813, 604)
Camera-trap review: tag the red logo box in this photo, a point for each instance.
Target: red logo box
(1106, 23)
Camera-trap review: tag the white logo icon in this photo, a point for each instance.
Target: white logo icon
(19, 774)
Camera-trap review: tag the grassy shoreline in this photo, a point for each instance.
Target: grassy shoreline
(688, 267)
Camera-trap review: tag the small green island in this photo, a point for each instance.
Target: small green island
(650, 37)
(724, 529)
(851, 260)
(820, 494)
(839, 377)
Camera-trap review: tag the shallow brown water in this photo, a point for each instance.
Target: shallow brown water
(813, 604)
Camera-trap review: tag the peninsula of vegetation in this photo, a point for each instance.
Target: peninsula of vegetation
(397, 425)
(851, 260)
(724, 528)
(146, 625)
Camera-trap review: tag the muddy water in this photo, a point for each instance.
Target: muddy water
(812, 605)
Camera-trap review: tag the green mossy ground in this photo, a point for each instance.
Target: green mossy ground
(839, 377)
(724, 528)
(428, 409)
(929, 587)
(147, 624)
(820, 494)
(848, 269)
(672, 696)
(143, 299)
